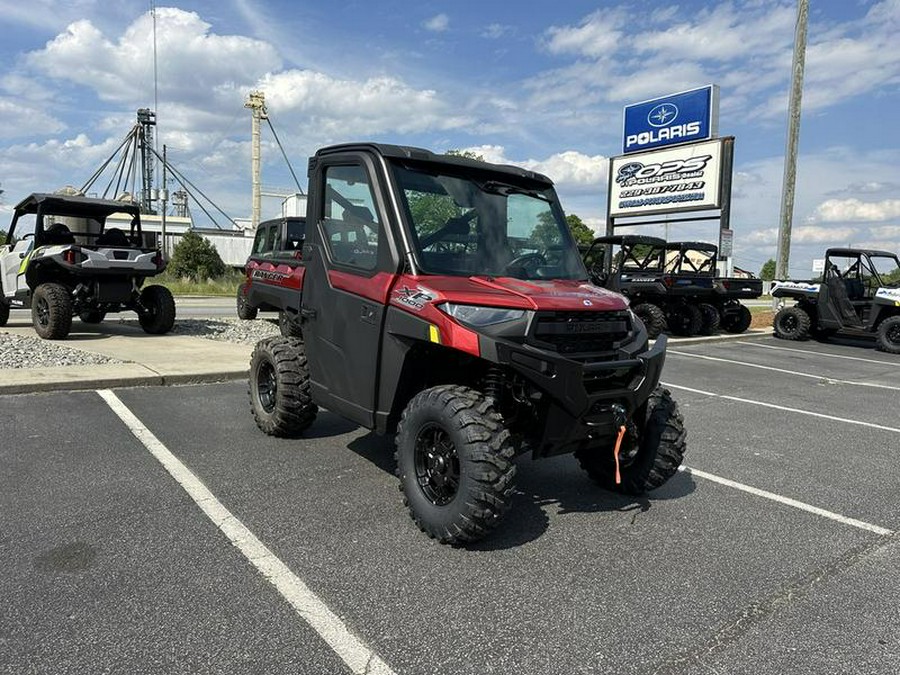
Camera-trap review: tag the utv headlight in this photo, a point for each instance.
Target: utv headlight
(475, 315)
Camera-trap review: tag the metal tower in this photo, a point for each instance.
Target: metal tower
(146, 121)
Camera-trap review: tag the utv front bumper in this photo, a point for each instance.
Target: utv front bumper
(585, 401)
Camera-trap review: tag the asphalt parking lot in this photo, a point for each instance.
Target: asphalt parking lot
(773, 552)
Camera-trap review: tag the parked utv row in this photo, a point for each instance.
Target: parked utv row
(859, 293)
(672, 286)
(70, 262)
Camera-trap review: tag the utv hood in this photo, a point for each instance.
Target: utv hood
(559, 295)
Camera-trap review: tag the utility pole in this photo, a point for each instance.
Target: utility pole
(163, 197)
(256, 101)
(793, 137)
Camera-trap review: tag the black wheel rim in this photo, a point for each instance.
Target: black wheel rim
(893, 335)
(43, 311)
(266, 386)
(788, 323)
(437, 465)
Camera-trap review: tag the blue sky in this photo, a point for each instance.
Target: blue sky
(536, 84)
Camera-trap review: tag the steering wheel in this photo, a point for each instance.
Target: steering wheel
(527, 259)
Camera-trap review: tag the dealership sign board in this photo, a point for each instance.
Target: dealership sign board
(684, 178)
(685, 117)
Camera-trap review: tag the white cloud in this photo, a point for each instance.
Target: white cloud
(19, 118)
(885, 232)
(805, 234)
(569, 170)
(437, 24)
(345, 108)
(495, 31)
(597, 36)
(192, 60)
(854, 210)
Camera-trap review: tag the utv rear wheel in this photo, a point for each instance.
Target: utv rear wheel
(791, 323)
(454, 460)
(652, 450)
(4, 312)
(289, 325)
(652, 317)
(888, 337)
(280, 398)
(245, 310)
(685, 320)
(737, 320)
(92, 316)
(158, 315)
(51, 311)
(709, 319)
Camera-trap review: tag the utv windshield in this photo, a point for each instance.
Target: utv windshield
(887, 268)
(464, 225)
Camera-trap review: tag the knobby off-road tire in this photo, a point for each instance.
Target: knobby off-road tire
(652, 459)
(51, 311)
(888, 336)
(791, 323)
(737, 322)
(280, 398)
(454, 460)
(158, 316)
(289, 325)
(92, 316)
(685, 320)
(653, 318)
(4, 311)
(245, 310)
(709, 319)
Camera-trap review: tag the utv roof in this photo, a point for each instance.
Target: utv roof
(68, 205)
(423, 155)
(692, 246)
(851, 252)
(630, 240)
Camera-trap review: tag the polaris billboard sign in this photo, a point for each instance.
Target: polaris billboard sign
(685, 117)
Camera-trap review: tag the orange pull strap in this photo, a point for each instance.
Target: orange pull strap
(616, 453)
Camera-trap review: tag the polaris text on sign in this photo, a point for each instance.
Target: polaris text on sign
(684, 117)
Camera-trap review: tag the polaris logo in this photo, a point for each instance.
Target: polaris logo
(685, 131)
(638, 173)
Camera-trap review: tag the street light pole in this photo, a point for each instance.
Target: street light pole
(793, 137)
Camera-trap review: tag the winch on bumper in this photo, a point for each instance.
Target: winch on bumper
(587, 392)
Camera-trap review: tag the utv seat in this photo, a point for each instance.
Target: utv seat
(58, 234)
(113, 237)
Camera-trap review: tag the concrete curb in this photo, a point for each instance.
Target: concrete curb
(724, 337)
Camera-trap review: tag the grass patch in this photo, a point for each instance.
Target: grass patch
(225, 285)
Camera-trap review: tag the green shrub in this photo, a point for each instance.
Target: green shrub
(195, 257)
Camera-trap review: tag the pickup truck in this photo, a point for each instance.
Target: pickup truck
(274, 273)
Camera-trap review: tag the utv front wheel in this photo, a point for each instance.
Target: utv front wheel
(652, 317)
(158, 314)
(280, 398)
(51, 311)
(652, 450)
(245, 310)
(737, 320)
(710, 319)
(889, 335)
(791, 323)
(454, 460)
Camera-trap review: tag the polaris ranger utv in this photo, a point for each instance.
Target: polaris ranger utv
(72, 264)
(859, 291)
(274, 273)
(444, 301)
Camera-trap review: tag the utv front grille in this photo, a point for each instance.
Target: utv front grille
(580, 334)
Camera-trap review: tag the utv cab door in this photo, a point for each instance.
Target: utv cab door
(836, 310)
(349, 271)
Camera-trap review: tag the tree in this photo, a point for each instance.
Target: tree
(468, 154)
(196, 257)
(584, 235)
(3, 239)
(767, 273)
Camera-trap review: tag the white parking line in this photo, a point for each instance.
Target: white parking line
(358, 657)
(853, 522)
(796, 373)
(895, 364)
(870, 425)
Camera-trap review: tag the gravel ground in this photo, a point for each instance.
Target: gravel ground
(32, 352)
